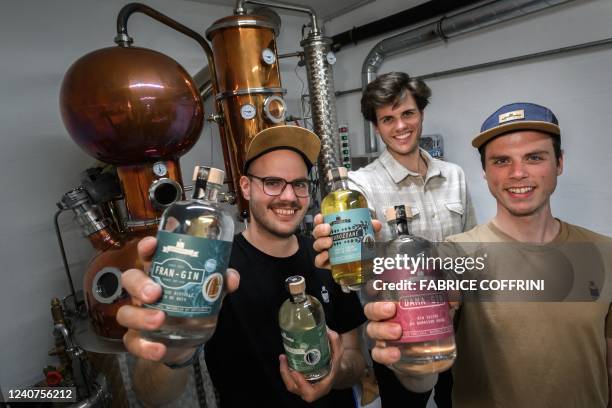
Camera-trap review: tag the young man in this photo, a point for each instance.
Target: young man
(516, 354)
(434, 192)
(245, 357)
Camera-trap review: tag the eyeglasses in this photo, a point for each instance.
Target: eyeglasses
(274, 186)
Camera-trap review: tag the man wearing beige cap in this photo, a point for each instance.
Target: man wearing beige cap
(245, 356)
(518, 354)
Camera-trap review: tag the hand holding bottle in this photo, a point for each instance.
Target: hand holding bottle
(308, 391)
(135, 318)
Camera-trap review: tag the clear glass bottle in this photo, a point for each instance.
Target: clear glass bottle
(427, 344)
(302, 323)
(353, 236)
(193, 249)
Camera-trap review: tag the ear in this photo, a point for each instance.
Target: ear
(245, 187)
(560, 164)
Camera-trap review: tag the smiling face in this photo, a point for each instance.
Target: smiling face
(400, 125)
(521, 171)
(280, 215)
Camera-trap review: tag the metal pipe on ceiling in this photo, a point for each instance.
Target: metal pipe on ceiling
(447, 27)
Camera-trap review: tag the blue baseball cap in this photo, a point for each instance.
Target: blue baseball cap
(517, 116)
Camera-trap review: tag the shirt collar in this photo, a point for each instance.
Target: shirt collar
(399, 172)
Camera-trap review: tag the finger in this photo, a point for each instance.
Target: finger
(232, 280)
(318, 219)
(322, 260)
(140, 287)
(321, 230)
(146, 250)
(323, 243)
(386, 355)
(309, 392)
(142, 348)
(337, 349)
(138, 318)
(286, 375)
(384, 330)
(376, 225)
(376, 311)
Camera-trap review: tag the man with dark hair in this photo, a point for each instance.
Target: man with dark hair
(434, 192)
(519, 353)
(245, 356)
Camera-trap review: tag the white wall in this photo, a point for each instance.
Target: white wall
(575, 86)
(41, 39)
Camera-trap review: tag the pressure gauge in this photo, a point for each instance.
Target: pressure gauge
(160, 169)
(331, 58)
(268, 56)
(247, 111)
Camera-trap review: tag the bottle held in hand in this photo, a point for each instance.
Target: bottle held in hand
(427, 344)
(194, 242)
(348, 214)
(302, 323)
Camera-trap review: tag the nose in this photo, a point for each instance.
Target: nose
(288, 194)
(518, 170)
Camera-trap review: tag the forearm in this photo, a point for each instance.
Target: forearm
(155, 384)
(352, 366)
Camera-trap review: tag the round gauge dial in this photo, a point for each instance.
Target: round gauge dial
(247, 111)
(268, 56)
(160, 169)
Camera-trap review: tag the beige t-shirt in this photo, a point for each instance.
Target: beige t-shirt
(535, 354)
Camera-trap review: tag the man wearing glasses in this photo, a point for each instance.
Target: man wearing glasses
(245, 357)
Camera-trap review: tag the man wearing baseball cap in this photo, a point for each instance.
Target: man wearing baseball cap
(520, 354)
(245, 356)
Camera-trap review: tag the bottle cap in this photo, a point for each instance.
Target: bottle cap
(200, 172)
(216, 176)
(337, 173)
(295, 284)
(393, 213)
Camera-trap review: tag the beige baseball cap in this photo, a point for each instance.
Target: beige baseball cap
(296, 138)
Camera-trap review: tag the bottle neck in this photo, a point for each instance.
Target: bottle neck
(340, 184)
(299, 297)
(401, 227)
(206, 191)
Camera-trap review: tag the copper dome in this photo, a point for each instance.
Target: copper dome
(131, 105)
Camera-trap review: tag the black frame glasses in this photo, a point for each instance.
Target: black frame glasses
(274, 186)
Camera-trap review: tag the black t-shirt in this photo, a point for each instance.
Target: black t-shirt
(242, 356)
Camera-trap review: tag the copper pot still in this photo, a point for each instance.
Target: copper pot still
(139, 110)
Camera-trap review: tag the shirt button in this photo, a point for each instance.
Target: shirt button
(433, 216)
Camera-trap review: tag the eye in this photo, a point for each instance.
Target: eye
(499, 162)
(386, 120)
(301, 184)
(408, 114)
(273, 182)
(534, 158)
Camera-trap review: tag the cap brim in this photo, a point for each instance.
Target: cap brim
(295, 138)
(487, 135)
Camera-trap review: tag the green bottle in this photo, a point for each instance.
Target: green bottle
(302, 323)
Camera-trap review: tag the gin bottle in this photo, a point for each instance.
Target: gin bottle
(352, 250)
(427, 344)
(302, 323)
(193, 248)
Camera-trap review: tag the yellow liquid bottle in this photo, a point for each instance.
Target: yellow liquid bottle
(353, 237)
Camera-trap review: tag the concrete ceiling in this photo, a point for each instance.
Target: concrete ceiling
(326, 9)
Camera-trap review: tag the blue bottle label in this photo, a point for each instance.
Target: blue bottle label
(190, 271)
(352, 235)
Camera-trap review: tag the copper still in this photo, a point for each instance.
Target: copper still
(139, 110)
(249, 95)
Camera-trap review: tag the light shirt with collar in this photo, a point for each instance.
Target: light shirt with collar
(437, 206)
